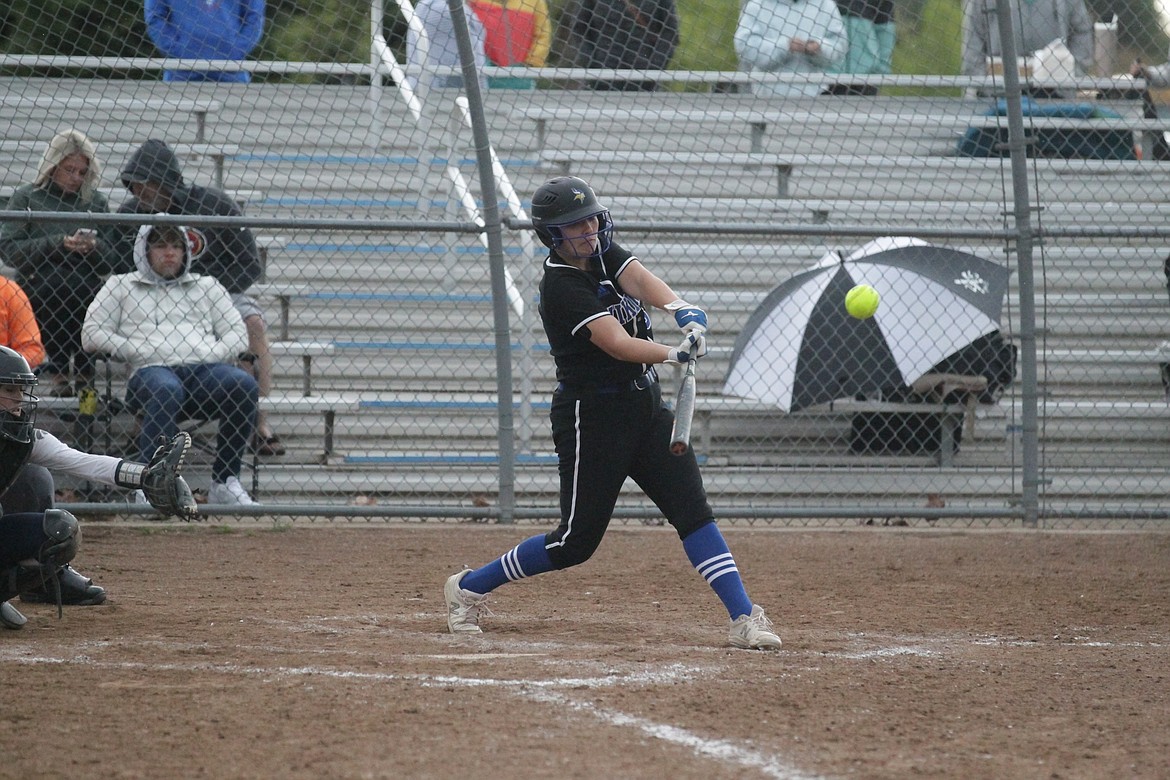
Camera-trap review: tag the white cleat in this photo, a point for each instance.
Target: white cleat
(754, 631)
(463, 606)
(231, 493)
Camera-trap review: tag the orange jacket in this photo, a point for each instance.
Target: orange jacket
(18, 326)
(518, 31)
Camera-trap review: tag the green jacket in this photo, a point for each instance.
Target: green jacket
(34, 249)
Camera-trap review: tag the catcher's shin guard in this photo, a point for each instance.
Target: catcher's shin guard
(76, 590)
(10, 616)
(63, 537)
(41, 575)
(26, 575)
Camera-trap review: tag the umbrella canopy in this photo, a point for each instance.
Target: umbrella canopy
(801, 348)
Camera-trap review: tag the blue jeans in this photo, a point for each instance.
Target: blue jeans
(167, 394)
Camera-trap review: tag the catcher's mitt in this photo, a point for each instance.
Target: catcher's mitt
(164, 488)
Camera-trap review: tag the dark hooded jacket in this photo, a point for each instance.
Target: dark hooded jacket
(640, 34)
(228, 254)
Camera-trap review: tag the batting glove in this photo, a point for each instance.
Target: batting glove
(693, 347)
(690, 318)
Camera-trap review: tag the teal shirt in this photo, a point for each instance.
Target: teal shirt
(871, 47)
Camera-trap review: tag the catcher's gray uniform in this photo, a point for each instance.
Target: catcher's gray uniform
(50, 537)
(162, 484)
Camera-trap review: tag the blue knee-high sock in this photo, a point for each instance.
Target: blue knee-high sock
(524, 560)
(708, 553)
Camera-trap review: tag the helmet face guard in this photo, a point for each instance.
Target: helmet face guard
(18, 410)
(16, 422)
(604, 232)
(564, 201)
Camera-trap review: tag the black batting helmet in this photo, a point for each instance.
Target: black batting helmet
(567, 200)
(17, 424)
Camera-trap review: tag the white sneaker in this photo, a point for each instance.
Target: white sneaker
(140, 497)
(230, 492)
(463, 606)
(754, 631)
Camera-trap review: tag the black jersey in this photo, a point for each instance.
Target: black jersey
(571, 298)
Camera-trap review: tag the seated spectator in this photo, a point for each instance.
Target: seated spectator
(869, 28)
(789, 36)
(180, 334)
(621, 35)
(518, 33)
(154, 178)
(440, 49)
(60, 265)
(205, 30)
(18, 325)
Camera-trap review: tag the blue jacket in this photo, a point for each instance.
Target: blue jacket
(205, 29)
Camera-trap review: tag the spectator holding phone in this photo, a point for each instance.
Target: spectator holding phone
(61, 265)
(790, 36)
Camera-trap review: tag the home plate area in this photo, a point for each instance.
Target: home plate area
(323, 652)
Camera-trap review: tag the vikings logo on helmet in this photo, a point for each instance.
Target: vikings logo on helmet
(197, 241)
(578, 196)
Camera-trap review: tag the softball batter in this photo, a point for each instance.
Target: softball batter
(608, 418)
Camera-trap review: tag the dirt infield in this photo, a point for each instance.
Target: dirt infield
(320, 652)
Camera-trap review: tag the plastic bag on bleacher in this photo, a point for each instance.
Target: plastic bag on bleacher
(991, 356)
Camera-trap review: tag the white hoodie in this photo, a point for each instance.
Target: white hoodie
(145, 320)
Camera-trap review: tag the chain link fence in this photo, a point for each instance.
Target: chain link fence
(336, 177)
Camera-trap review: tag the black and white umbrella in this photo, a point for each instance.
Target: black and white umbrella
(801, 348)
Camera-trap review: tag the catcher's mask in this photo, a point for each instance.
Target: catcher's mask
(18, 405)
(567, 200)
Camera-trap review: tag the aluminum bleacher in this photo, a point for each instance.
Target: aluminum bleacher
(403, 322)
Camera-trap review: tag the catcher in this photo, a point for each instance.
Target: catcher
(37, 542)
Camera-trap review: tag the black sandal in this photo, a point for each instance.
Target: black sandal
(270, 445)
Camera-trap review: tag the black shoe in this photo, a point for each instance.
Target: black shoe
(10, 616)
(76, 590)
(267, 445)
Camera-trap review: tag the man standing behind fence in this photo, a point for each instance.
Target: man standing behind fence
(1037, 23)
(205, 30)
(620, 34)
